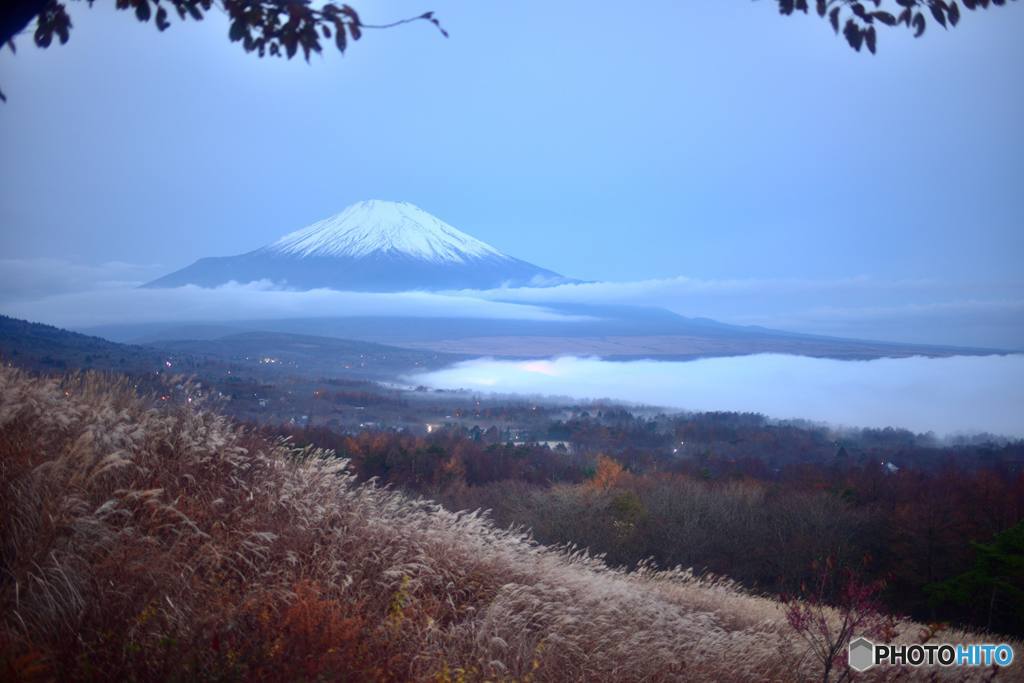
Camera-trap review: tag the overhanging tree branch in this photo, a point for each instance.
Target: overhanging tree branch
(860, 19)
(267, 27)
(283, 27)
(274, 27)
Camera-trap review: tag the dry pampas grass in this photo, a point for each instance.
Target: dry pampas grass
(146, 542)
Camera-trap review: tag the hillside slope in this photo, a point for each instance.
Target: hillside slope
(145, 544)
(611, 332)
(44, 348)
(47, 349)
(312, 356)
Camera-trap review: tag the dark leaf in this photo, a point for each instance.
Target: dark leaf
(340, 38)
(43, 35)
(885, 18)
(237, 31)
(351, 14)
(142, 11)
(919, 25)
(833, 17)
(938, 13)
(355, 31)
(294, 17)
(822, 7)
(161, 19)
(954, 14)
(869, 39)
(853, 34)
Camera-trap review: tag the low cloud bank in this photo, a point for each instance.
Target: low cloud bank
(33, 278)
(961, 394)
(926, 311)
(255, 301)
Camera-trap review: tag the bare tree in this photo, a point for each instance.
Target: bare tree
(827, 629)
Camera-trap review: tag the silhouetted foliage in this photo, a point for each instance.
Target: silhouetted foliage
(284, 27)
(859, 19)
(278, 28)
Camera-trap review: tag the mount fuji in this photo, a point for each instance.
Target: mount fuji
(376, 246)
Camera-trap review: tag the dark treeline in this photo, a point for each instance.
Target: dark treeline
(738, 495)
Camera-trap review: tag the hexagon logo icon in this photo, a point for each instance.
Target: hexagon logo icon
(861, 654)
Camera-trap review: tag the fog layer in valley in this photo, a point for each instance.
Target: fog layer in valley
(960, 394)
(262, 300)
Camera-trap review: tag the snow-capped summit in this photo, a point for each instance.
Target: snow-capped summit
(372, 245)
(389, 227)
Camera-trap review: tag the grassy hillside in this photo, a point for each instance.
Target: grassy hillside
(44, 348)
(143, 543)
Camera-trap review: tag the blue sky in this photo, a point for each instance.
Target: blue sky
(716, 141)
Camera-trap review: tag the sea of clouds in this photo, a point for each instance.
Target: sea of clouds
(983, 314)
(947, 396)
